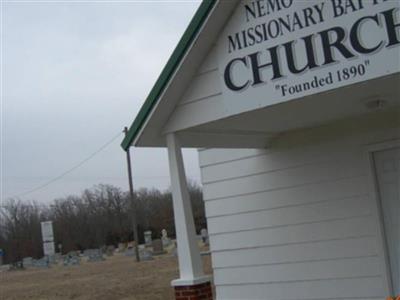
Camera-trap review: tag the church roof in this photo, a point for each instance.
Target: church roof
(170, 68)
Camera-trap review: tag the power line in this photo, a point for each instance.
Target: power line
(67, 171)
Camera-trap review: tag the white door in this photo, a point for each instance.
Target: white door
(387, 166)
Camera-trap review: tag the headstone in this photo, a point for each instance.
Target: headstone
(47, 231)
(129, 252)
(73, 253)
(71, 260)
(48, 238)
(158, 247)
(57, 257)
(52, 259)
(48, 248)
(145, 255)
(41, 263)
(121, 247)
(27, 262)
(204, 236)
(166, 241)
(4, 268)
(110, 250)
(147, 238)
(131, 244)
(16, 266)
(174, 251)
(95, 255)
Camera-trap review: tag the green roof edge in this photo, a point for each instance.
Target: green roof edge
(169, 69)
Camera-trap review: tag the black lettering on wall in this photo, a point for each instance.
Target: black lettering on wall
(391, 27)
(234, 43)
(355, 35)
(228, 74)
(291, 57)
(329, 45)
(257, 66)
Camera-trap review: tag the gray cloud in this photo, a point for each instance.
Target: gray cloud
(74, 75)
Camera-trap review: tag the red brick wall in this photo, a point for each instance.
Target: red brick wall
(194, 292)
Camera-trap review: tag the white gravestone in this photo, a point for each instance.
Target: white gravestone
(110, 250)
(147, 238)
(129, 252)
(41, 263)
(166, 241)
(71, 260)
(48, 238)
(27, 262)
(47, 231)
(48, 248)
(145, 255)
(204, 236)
(95, 255)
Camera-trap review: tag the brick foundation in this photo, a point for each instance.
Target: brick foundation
(201, 291)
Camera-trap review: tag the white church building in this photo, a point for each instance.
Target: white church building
(294, 107)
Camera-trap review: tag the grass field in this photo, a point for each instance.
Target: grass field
(118, 277)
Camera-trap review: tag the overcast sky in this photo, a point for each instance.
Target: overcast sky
(73, 75)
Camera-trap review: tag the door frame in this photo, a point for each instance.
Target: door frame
(371, 149)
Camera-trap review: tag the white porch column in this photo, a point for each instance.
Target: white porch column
(190, 264)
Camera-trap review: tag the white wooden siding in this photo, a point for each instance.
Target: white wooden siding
(309, 270)
(295, 222)
(300, 252)
(302, 214)
(210, 63)
(197, 92)
(312, 193)
(365, 288)
(285, 178)
(345, 228)
(205, 91)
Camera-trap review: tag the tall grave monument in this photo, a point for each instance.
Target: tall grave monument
(48, 238)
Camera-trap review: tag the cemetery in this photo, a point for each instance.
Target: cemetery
(101, 273)
(108, 273)
(115, 277)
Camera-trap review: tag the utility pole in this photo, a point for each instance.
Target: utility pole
(134, 222)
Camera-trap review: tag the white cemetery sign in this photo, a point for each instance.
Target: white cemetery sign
(273, 51)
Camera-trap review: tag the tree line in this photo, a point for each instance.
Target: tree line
(101, 215)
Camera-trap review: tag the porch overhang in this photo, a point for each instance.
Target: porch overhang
(257, 128)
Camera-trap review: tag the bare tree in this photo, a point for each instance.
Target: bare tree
(99, 216)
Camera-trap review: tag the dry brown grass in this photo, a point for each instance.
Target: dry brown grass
(118, 277)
